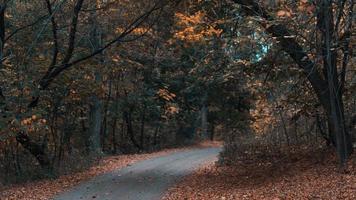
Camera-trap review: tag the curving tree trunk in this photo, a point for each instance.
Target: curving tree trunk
(37, 150)
(328, 88)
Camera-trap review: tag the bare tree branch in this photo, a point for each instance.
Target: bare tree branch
(46, 80)
(26, 26)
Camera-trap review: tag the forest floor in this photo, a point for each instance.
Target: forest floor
(47, 189)
(302, 173)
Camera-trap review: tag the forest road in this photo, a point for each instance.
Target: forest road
(144, 180)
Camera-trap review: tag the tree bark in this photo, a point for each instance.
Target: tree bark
(96, 106)
(35, 149)
(212, 131)
(113, 129)
(104, 129)
(143, 118)
(336, 110)
(2, 42)
(95, 118)
(284, 126)
(130, 132)
(204, 121)
(2, 31)
(204, 117)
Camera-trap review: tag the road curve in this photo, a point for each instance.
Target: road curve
(144, 180)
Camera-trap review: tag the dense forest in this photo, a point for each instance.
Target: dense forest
(84, 79)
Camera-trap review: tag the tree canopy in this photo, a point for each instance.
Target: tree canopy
(84, 78)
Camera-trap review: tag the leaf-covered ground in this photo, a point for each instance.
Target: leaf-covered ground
(300, 174)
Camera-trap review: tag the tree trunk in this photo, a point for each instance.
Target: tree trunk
(104, 129)
(339, 134)
(35, 149)
(2, 43)
(321, 127)
(130, 132)
(143, 116)
(2, 31)
(95, 113)
(352, 124)
(155, 137)
(335, 112)
(113, 127)
(284, 127)
(212, 131)
(95, 119)
(115, 117)
(204, 121)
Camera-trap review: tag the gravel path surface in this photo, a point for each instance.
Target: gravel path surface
(145, 180)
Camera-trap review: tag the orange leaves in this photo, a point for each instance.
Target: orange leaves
(30, 123)
(197, 18)
(284, 13)
(34, 117)
(166, 95)
(116, 60)
(305, 6)
(136, 31)
(195, 28)
(172, 110)
(29, 120)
